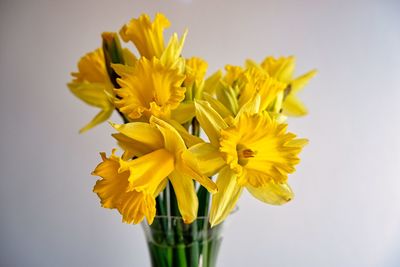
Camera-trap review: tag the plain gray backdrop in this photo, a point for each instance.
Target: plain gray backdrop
(347, 206)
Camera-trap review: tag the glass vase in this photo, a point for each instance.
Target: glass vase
(172, 243)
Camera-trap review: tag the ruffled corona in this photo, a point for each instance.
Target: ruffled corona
(146, 35)
(258, 149)
(149, 89)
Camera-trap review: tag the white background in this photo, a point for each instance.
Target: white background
(347, 206)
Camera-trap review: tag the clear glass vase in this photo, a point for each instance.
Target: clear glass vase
(172, 243)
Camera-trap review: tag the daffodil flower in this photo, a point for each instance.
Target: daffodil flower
(160, 153)
(149, 88)
(283, 70)
(93, 86)
(252, 151)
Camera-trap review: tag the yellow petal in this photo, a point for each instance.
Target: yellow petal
(102, 116)
(272, 193)
(134, 206)
(173, 51)
(209, 158)
(185, 195)
(189, 166)
(211, 122)
(129, 57)
(149, 171)
(225, 200)
(218, 106)
(292, 106)
(142, 133)
(131, 147)
(301, 81)
(184, 112)
(190, 140)
(212, 82)
(113, 184)
(173, 142)
(91, 93)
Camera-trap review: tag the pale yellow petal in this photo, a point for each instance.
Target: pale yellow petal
(102, 116)
(211, 122)
(272, 193)
(209, 158)
(91, 93)
(225, 200)
(298, 83)
(185, 195)
(292, 106)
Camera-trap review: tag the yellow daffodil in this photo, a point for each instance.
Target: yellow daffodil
(93, 86)
(240, 85)
(160, 155)
(283, 70)
(257, 151)
(149, 88)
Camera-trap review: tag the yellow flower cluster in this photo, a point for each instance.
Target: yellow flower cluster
(161, 96)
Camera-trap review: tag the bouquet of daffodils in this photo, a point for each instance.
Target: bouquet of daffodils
(164, 165)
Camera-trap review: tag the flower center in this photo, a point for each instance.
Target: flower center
(244, 154)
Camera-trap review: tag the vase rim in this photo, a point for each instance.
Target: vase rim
(197, 218)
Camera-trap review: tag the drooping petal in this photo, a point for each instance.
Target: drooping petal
(210, 121)
(225, 200)
(102, 116)
(185, 195)
(209, 158)
(272, 193)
